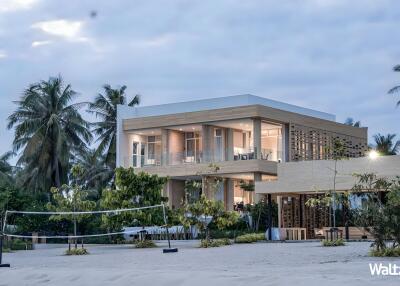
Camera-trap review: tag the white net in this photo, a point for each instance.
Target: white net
(18, 218)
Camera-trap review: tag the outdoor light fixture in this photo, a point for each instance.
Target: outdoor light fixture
(373, 154)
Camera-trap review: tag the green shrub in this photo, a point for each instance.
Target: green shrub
(145, 244)
(337, 242)
(386, 252)
(214, 242)
(77, 251)
(250, 238)
(18, 244)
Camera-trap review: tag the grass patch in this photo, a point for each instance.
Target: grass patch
(6, 250)
(145, 244)
(387, 252)
(250, 238)
(215, 242)
(336, 242)
(77, 251)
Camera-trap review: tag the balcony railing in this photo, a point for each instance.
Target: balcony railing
(180, 158)
(139, 161)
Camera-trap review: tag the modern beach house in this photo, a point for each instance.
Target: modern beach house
(244, 137)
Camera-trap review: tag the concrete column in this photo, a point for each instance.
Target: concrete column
(279, 201)
(257, 137)
(229, 194)
(257, 178)
(207, 137)
(229, 145)
(167, 192)
(164, 147)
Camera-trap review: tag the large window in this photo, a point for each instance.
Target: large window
(218, 145)
(135, 149)
(192, 147)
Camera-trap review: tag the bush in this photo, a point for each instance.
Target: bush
(214, 242)
(250, 238)
(18, 244)
(77, 251)
(386, 252)
(337, 242)
(145, 244)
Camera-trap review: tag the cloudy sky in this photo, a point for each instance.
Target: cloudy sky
(330, 55)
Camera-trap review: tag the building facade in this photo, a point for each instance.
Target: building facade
(239, 139)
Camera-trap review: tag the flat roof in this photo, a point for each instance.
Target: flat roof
(126, 112)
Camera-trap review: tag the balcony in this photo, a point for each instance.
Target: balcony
(199, 157)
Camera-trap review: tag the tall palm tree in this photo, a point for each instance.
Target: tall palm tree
(105, 108)
(396, 88)
(48, 129)
(350, 121)
(385, 144)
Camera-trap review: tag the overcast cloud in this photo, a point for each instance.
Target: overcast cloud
(330, 55)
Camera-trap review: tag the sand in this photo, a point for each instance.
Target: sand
(296, 264)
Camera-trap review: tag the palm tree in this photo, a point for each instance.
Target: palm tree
(96, 174)
(350, 121)
(396, 88)
(48, 129)
(6, 170)
(105, 108)
(385, 144)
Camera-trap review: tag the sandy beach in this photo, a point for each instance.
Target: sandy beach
(250, 264)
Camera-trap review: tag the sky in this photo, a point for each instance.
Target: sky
(330, 55)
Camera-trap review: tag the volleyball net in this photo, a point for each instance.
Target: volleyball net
(60, 224)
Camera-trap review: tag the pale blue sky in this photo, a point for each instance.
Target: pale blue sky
(331, 55)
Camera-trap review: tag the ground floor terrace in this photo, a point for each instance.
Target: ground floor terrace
(240, 264)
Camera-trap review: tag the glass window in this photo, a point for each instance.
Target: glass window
(135, 154)
(218, 148)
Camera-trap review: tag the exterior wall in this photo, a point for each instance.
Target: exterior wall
(312, 176)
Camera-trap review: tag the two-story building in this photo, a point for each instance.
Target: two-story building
(245, 136)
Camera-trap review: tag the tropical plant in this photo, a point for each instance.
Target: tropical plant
(204, 211)
(385, 145)
(215, 242)
(104, 108)
(350, 121)
(379, 215)
(396, 88)
(250, 238)
(134, 190)
(192, 191)
(96, 174)
(48, 129)
(259, 214)
(71, 198)
(6, 170)
(335, 242)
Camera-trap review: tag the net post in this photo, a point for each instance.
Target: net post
(169, 249)
(1, 244)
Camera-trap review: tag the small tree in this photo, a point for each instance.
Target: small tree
(71, 198)
(133, 190)
(192, 188)
(380, 219)
(204, 211)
